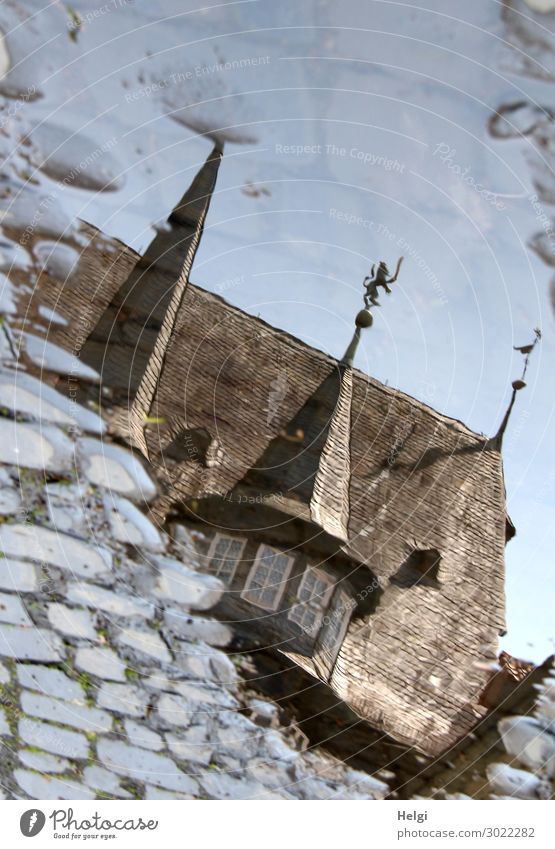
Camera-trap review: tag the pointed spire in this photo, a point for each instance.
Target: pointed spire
(306, 466)
(124, 337)
(334, 470)
(363, 319)
(192, 210)
(517, 385)
(169, 248)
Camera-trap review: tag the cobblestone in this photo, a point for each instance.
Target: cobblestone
(108, 601)
(174, 710)
(58, 741)
(277, 748)
(10, 502)
(12, 611)
(25, 394)
(199, 660)
(35, 447)
(46, 546)
(68, 713)
(271, 775)
(50, 682)
(237, 743)
(74, 623)
(140, 735)
(43, 762)
(102, 662)
(144, 765)
(526, 739)
(17, 575)
(516, 783)
(157, 793)
(123, 698)
(129, 525)
(147, 643)
(182, 586)
(30, 643)
(50, 787)
(193, 628)
(4, 674)
(65, 508)
(107, 782)
(115, 469)
(192, 744)
(221, 786)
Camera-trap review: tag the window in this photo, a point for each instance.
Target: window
(313, 594)
(224, 556)
(333, 632)
(266, 580)
(308, 617)
(316, 587)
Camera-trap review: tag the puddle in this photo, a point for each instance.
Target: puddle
(13, 257)
(541, 5)
(7, 296)
(210, 111)
(529, 30)
(51, 316)
(22, 39)
(345, 145)
(4, 57)
(57, 259)
(518, 119)
(45, 355)
(27, 214)
(74, 159)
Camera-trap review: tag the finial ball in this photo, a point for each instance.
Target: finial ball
(364, 319)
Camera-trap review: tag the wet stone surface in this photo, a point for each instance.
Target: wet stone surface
(113, 674)
(101, 662)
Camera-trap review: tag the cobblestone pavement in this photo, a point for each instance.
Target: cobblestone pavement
(114, 680)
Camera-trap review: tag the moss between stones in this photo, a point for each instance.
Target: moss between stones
(102, 794)
(84, 680)
(133, 787)
(9, 700)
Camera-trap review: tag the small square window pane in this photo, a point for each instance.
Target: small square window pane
(315, 588)
(224, 556)
(306, 617)
(267, 578)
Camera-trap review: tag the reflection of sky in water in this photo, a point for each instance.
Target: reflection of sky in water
(394, 103)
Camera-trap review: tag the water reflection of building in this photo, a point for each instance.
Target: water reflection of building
(360, 532)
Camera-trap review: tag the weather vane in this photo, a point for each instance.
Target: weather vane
(364, 318)
(380, 278)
